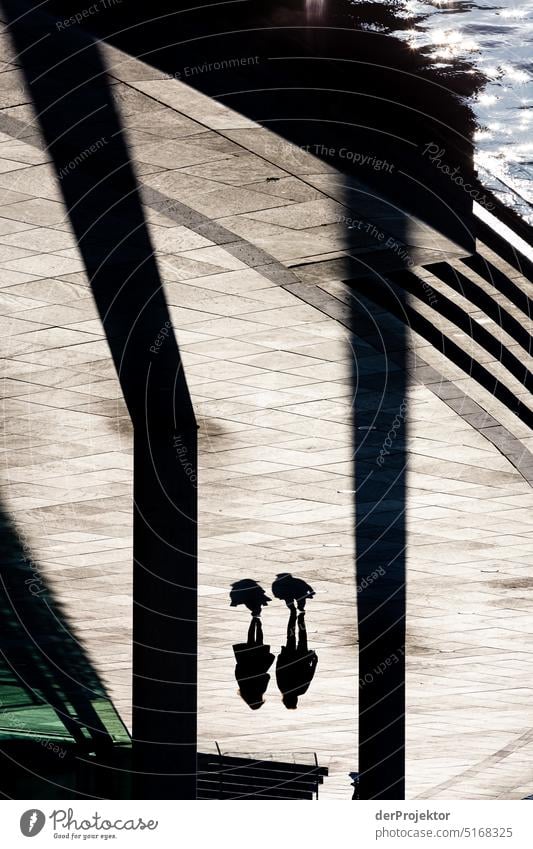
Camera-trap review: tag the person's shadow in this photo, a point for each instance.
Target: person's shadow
(296, 664)
(253, 658)
(250, 593)
(290, 589)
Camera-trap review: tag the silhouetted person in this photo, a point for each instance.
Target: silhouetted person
(253, 662)
(291, 590)
(296, 664)
(249, 593)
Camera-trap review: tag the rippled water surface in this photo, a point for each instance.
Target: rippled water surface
(491, 39)
(497, 38)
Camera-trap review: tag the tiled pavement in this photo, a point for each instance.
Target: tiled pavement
(237, 226)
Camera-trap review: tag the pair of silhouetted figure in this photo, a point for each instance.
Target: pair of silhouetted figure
(296, 664)
(287, 588)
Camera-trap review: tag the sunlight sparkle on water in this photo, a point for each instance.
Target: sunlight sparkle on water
(451, 42)
(516, 74)
(491, 71)
(513, 14)
(487, 99)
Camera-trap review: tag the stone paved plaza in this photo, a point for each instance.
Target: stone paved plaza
(252, 245)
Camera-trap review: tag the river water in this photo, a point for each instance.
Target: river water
(492, 39)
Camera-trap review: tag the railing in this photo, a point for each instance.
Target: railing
(224, 776)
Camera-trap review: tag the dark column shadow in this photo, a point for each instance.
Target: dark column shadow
(68, 87)
(380, 409)
(296, 664)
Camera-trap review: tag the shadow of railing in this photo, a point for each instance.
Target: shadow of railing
(478, 296)
(391, 296)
